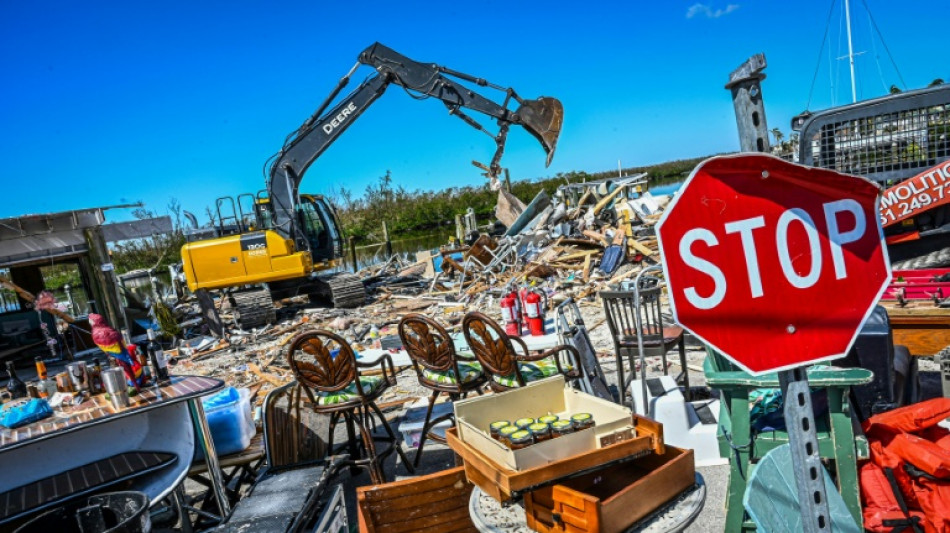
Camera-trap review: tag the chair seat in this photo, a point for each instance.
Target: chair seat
(671, 334)
(370, 385)
(470, 371)
(531, 371)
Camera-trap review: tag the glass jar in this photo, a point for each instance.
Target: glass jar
(496, 426)
(582, 421)
(548, 419)
(561, 428)
(504, 434)
(523, 423)
(540, 431)
(521, 439)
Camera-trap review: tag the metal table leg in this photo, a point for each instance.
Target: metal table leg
(203, 434)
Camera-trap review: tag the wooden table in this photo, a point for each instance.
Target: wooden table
(920, 325)
(92, 432)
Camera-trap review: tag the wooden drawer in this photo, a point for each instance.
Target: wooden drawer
(611, 499)
(505, 484)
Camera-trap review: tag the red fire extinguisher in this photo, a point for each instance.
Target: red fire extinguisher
(510, 314)
(534, 312)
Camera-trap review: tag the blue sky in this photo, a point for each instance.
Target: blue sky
(107, 102)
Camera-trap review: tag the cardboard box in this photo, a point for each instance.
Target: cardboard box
(613, 423)
(612, 499)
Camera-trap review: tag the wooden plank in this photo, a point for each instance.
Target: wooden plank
(640, 247)
(925, 331)
(586, 272)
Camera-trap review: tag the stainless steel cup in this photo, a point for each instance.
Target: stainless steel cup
(78, 376)
(114, 381)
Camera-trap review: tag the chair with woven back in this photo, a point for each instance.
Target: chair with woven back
(438, 367)
(505, 367)
(329, 374)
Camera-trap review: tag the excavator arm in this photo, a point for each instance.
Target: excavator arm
(541, 117)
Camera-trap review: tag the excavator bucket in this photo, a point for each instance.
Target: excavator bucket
(542, 118)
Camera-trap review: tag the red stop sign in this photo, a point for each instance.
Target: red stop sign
(773, 264)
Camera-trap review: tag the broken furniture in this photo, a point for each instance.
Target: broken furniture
(837, 440)
(237, 470)
(438, 367)
(436, 502)
(296, 491)
(570, 326)
(505, 367)
(637, 327)
(148, 446)
(292, 500)
(328, 372)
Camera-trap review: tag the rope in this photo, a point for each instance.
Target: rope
(820, 48)
(886, 49)
(738, 448)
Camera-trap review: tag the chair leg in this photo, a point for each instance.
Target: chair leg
(396, 443)
(622, 391)
(739, 464)
(376, 473)
(682, 349)
(425, 427)
(353, 444)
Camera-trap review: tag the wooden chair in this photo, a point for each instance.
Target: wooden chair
(505, 367)
(436, 503)
(328, 373)
(291, 429)
(837, 440)
(438, 367)
(659, 337)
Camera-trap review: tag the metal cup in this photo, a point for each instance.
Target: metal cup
(114, 381)
(78, 376)
(63, 384)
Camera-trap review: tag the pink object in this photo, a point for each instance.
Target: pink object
(102, 333)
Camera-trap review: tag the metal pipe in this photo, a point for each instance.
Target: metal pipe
(203, 434)
(847, 16)
(643, 362)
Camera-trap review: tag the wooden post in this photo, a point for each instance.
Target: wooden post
(103, 272)
(387, 244)
(459, 228)
(352, 241)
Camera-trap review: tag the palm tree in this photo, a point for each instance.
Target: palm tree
(777, 133)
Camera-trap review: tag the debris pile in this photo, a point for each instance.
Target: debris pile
(584, 239)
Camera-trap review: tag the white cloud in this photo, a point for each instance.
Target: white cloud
(703, 9)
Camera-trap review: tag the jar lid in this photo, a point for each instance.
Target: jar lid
(581, 417)
(520, 436)
(561, 425)
(524, 422)
(548, 419)
(508, 430)
(498, 424)
(539, 428)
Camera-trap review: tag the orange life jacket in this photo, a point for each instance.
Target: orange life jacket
(906, 484)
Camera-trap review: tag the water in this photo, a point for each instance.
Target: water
(368, 255)
(668, 188)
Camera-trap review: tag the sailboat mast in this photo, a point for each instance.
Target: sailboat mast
(847, 16)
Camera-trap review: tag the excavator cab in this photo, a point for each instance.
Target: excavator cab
(318, 222)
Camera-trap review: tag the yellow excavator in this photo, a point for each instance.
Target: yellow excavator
(281, 243)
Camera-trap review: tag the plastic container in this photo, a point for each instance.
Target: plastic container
(230, 419)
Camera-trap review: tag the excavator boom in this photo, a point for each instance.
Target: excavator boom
(542, 118)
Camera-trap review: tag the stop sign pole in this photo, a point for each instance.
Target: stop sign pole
(776, 266)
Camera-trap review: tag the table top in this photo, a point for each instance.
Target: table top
(97, 409)
(488, 515)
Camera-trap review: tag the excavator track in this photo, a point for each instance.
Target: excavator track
(254, 308)
(344, 290)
